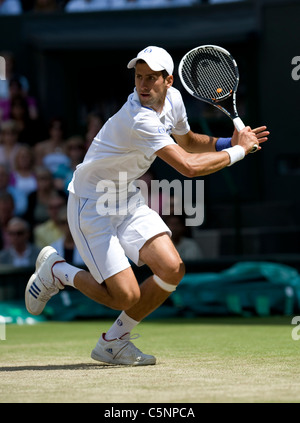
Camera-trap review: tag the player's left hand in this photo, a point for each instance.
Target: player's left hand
(261, 134)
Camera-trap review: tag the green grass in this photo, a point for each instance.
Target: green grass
(198, 360)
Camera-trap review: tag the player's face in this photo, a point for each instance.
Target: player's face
(151, 86)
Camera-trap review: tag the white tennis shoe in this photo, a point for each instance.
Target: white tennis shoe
(121, 351)
(42, 285)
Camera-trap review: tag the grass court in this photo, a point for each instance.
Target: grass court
(202, 360)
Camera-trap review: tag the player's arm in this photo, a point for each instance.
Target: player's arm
(196, 143)
(199, 143)
(201, 164)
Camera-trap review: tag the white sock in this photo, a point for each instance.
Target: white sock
(122, 325)
(65, 273)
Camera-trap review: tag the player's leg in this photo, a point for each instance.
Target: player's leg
(163, 259)
(117, 292)
(146, 239)
(52, 274)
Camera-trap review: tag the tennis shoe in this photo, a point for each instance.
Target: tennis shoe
(121, 351)
(43, 285)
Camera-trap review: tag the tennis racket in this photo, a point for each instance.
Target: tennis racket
(210, 74)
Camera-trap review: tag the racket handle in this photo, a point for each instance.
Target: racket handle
(239, 124)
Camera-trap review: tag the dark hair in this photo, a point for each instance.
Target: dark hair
(164, 73)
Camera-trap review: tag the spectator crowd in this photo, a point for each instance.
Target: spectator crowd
(16, 7)
(36, 165)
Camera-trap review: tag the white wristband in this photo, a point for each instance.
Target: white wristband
(236, 153)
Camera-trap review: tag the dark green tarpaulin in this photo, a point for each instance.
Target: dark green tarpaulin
(245, 289)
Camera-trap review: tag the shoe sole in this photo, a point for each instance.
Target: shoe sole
(97, 357)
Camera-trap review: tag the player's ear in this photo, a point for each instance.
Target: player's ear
(169, 81)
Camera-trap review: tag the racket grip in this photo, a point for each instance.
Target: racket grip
(239, 124)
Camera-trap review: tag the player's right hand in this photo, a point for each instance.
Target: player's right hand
(246, 138)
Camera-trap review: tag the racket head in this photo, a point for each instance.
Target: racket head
(209, 73)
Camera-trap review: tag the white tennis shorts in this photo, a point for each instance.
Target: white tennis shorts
(106, 242)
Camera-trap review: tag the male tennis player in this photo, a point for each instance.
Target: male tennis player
(129, 142)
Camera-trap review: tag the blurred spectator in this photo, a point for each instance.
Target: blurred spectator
(87, 5)
(30, 130)
(187, 247)
(9, 144)
(11, 71)
(37, 210)
(23, 177)
(6, 213)
(50, 152)
(20, 252)
(51, 230)
(16, 90)
(45, 6)
(75, 150)
(65, 245)
(10, 7)
(19, 197)
(94, 123)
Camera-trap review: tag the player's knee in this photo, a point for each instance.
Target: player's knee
(173, 272)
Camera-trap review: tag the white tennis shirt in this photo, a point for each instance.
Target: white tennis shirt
(127, 143)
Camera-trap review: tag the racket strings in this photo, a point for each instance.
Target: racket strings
(210, 73)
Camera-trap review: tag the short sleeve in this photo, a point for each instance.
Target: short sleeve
(149, 135)
(182, 126)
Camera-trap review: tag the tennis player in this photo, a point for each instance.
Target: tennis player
(152, 123)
